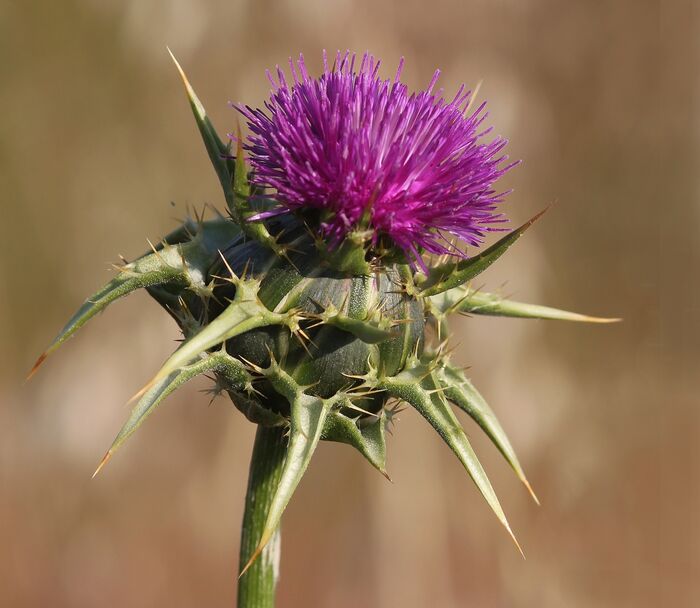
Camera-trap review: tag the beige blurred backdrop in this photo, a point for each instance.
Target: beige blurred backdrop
(98, 151)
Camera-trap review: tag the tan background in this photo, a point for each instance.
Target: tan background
(601, 101)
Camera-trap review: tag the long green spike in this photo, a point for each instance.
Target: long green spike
(232, 173)
(467, 300)
(185, 263)
(460, 391)
(217, 151)
(232, 369)
(420, 388)
(449, 275)
(308, 415)
(369, 438)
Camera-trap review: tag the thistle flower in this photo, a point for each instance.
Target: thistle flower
(315, 341)
(355, 147)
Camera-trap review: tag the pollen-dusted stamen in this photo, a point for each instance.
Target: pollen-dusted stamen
(361, 150)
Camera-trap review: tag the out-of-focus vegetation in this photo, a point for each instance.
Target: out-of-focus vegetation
(96, 141)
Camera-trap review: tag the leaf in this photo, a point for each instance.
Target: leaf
(219, 362)
(452, 274)
(245, 312)
(308, 415)
(217, 151)
(186, 263)
(147, 271)
(422, 390)
(460, 391)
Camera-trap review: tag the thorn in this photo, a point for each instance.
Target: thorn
(250, 364)
(352, 406)
(142, 392)
(36, 366)
(284, 253)
(250, 389)
(103, 462)
(155, 251)
(119, 268)
(353, 376)
(228, 267)
(515, 540)
(529, 489)
(587, 319)
(244, 274)
(179, 69)
(256, 554)
(300, 335)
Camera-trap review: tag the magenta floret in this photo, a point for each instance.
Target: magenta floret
(354, 146)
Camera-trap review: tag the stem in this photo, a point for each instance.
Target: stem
(256, 588)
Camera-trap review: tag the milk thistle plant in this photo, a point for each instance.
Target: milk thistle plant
(320, 302)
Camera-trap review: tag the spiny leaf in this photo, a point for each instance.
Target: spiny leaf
(217, 151)
(464, 299)
(422, 390)
(449, 275)
(186, 263)
(369, 439)
(232, 173)
(232, 369)
(308, 415)
(148, 271)
(460, 391)
(245, 312)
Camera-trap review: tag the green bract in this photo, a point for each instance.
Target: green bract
(318, 342)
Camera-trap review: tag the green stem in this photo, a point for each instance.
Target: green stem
(256, 588)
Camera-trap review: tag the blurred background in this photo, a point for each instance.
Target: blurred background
(98, 151)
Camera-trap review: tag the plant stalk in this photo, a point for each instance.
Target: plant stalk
(256, 588)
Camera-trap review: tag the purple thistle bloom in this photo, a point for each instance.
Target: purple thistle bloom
(358, 148)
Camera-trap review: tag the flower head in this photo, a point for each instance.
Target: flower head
(413, 166)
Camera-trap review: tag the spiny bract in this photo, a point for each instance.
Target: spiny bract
(315, 320)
